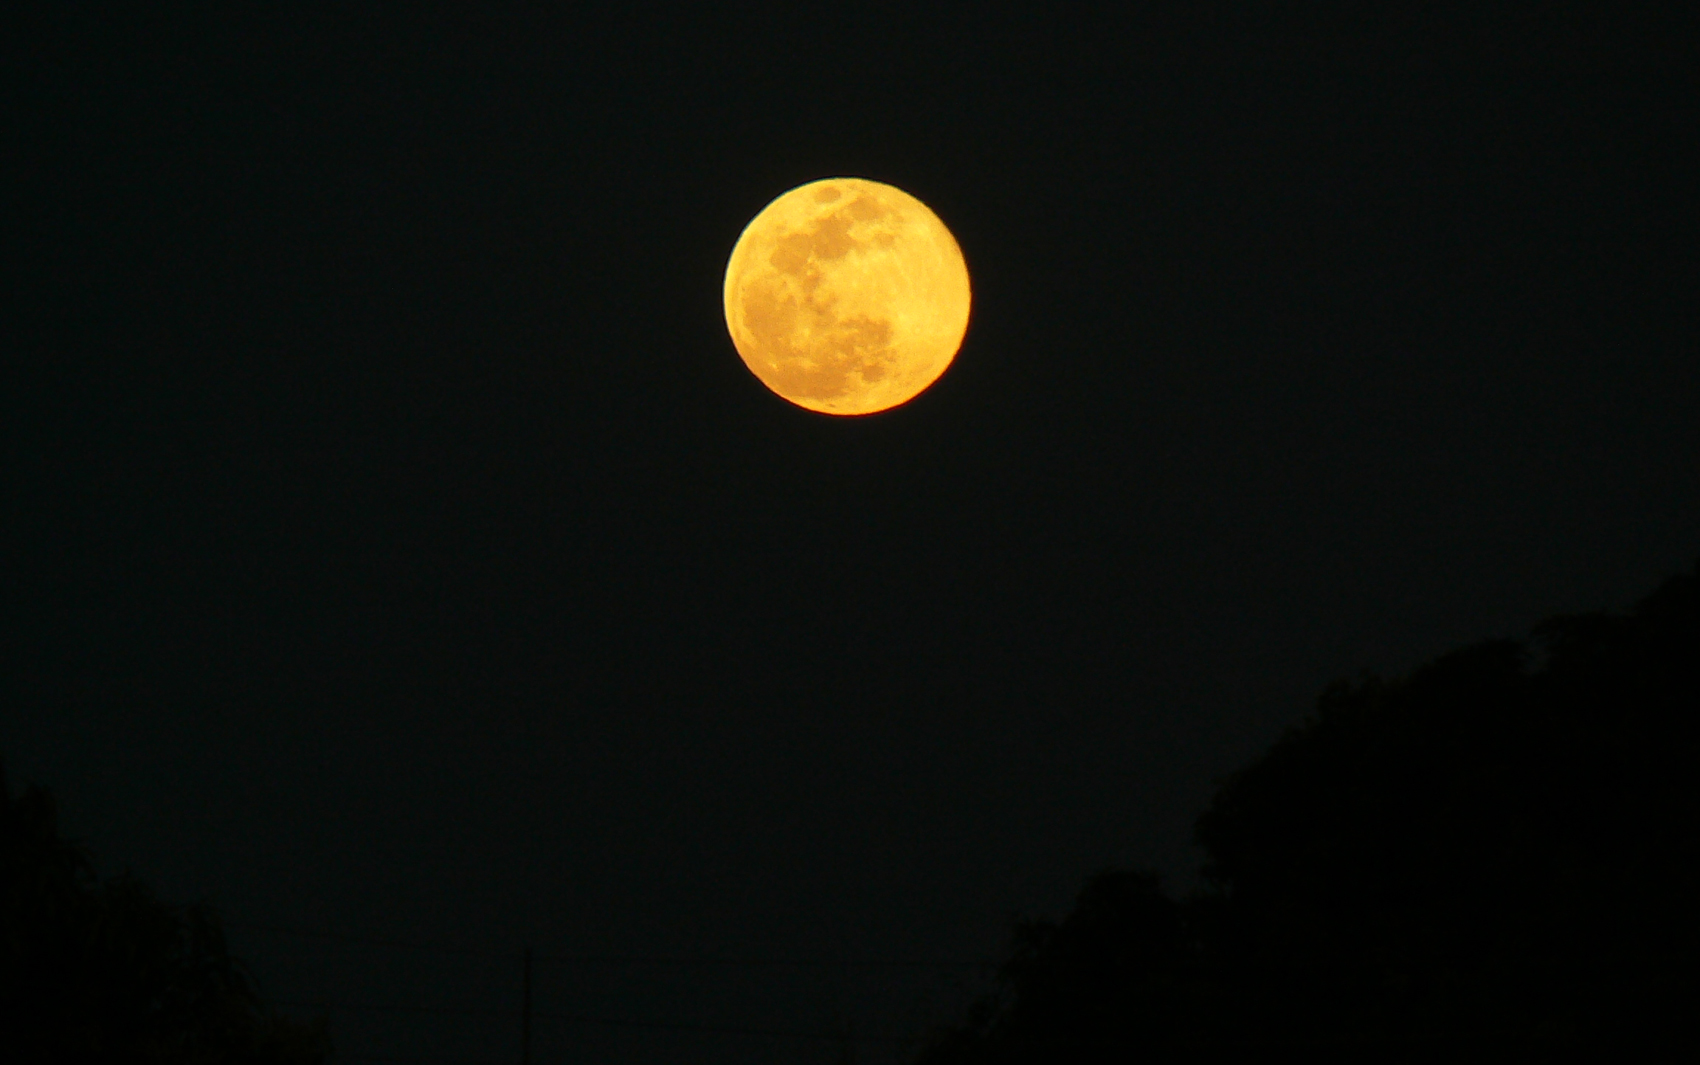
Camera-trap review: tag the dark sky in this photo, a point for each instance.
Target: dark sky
(396, 546)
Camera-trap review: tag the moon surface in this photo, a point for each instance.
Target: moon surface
(846, 296)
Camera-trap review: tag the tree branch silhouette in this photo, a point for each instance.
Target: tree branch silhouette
(1486, 858)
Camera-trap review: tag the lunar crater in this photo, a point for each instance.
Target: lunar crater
(846, 296)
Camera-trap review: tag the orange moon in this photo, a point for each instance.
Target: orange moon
(846, 296)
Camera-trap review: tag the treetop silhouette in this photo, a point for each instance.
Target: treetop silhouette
(1490, 855)
(95, 971)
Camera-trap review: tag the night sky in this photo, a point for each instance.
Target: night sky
(395, 545)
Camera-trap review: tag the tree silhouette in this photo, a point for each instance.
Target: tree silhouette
(1489, 856)
(99, 971)
(1118, 967)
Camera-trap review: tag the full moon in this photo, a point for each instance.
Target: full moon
(846, 296)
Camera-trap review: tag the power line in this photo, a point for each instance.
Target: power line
(609, 1022)
(427, 1059)
(526, 1014)
(776, 963)
(620, 959)
(371, 1007)
(366, 941)
(720, 1029)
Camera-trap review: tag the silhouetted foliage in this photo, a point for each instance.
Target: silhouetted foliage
(1492, 856)
(1120, 964)
(97, 971)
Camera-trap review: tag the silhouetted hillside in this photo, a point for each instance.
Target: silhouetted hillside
(1490, 856)
(96, 971)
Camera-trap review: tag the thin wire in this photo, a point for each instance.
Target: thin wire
(372, 1007)
(616, 959)
(437, 1059)
(366, 941)
(720, 1029)
(833, 963)
(611, 1022)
